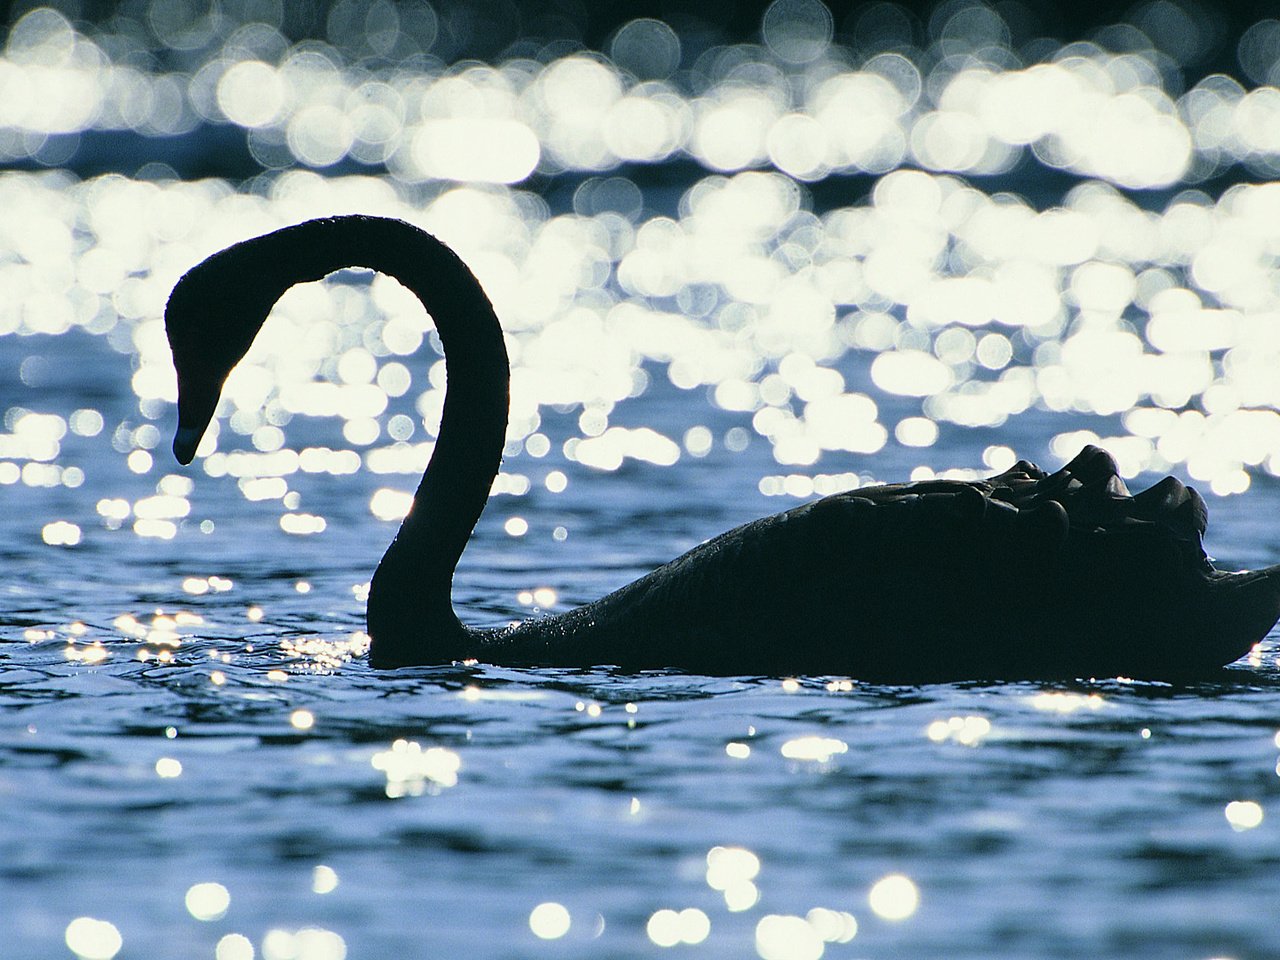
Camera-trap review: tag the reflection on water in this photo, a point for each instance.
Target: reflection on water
(931, 307)
(845, 249)
(967, 101)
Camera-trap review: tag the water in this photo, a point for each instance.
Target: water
(195, 761)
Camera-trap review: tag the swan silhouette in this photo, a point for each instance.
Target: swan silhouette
(1024, 574)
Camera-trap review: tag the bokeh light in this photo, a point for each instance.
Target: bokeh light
(208, 901)
(894, 897)
(91, 939)
(549, 921)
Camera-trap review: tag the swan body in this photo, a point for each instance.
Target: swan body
(1023, 574)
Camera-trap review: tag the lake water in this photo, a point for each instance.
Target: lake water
(195, 760)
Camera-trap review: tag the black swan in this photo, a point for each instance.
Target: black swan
(1025, 574)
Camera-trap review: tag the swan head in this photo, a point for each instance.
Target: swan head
(212, 316)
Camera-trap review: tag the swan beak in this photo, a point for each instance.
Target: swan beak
(185, 442)
(197, 402)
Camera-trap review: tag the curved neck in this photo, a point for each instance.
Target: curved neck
(409, 607)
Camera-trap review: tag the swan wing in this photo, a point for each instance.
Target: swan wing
(1026, 573)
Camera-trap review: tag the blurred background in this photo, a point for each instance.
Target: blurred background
(848, 225)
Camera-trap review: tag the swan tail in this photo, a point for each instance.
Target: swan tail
(1243, 610)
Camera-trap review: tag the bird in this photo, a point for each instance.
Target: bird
(1024, 574)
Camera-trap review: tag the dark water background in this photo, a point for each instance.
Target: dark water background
(180, 706)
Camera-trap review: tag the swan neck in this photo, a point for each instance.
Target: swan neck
(218, 308)
(410, 595)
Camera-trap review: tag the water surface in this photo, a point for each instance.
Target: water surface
(195, 760)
